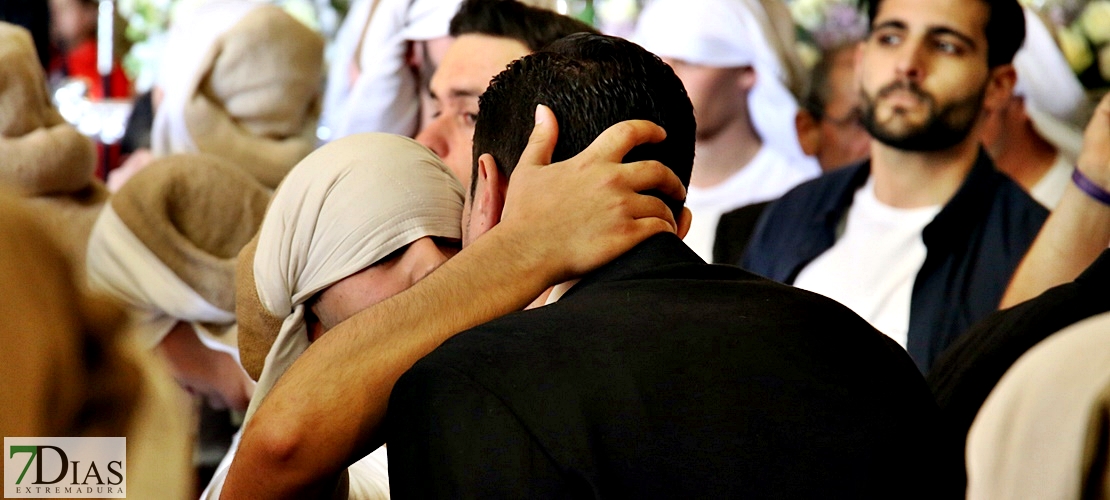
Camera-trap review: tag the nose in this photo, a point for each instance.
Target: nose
(434, 136)
(910, 64)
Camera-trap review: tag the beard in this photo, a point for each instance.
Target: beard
(943, 128)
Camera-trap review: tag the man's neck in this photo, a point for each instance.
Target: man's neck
(1024, 155)
(719, 156)
(913, 179)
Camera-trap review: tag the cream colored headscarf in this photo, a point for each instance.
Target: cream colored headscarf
(166, 245)
(1055, 100)
(242, 81)
(349, 204)
(345, 207)
(384, 96)
(737, 33)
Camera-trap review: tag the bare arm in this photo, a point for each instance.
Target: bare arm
(325, 412)
(1078, 229)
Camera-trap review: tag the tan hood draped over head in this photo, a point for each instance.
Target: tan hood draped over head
(167, 243)
(70, 371)
(41, 156)
(49, 324)
(42, 153)
(245, 85)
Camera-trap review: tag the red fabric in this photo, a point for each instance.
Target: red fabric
(81, 63)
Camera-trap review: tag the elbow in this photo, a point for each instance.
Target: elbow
(272, 444)
(266, 463)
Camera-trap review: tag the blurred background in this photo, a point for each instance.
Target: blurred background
(76, 38)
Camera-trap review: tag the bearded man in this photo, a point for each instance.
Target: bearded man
(922, 239)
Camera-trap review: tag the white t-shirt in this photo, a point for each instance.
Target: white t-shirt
(872, 266)
(766, 177)
(1050, 188)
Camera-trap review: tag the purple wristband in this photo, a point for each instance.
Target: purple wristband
(1088, 186)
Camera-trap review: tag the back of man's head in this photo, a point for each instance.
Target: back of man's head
(1004, 31)
(590, 82)
(532, 26)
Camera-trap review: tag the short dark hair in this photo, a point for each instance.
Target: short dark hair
(590, 82)
(532, 26)
(1004, 31)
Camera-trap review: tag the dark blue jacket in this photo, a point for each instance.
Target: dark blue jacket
(973, 246)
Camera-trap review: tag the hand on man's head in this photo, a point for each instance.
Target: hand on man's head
(584, 212)
(1094, 158)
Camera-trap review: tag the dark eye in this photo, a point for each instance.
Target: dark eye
(947, 47)
(888, 39)
(470, 119)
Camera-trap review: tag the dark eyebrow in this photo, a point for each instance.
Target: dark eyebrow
(893, 23)
(944, 31)
(456, 93)
(933, 31)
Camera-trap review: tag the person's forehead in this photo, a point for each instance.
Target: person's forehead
(472, 61)
(968, 17)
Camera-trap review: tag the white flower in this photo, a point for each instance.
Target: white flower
(809, 14)
(1075, 49)
(1096, 21)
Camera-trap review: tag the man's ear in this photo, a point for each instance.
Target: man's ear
(809, 134)
(1000, 88)
(746, 79)
(684, 221)
(489, 194)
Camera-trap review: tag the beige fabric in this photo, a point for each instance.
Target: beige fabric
(53, 387)
(1096, 451)
(257, 327)
(160, 439)
(47, 384)
(346, 206)
(195, 212)
(1031, 437)
(47, 161)
(253, 97)
(70, 218)
(41, 156)
(166, 244)
(24, 103)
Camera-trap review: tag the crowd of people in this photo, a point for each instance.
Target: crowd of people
(487, 251)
